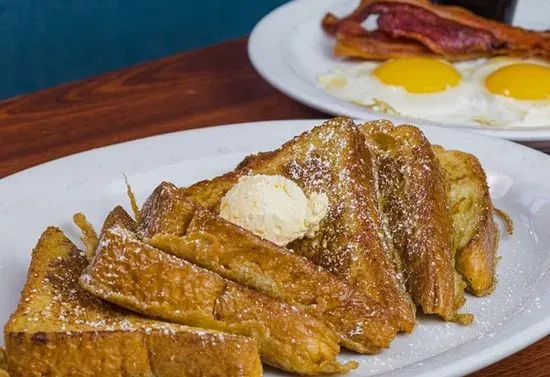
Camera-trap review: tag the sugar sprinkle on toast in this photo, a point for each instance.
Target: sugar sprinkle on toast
(59, 329)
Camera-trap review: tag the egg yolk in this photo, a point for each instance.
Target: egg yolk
(520, 81)
(418, 75)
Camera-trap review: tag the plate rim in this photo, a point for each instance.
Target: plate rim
(469, 363)
(263, 64)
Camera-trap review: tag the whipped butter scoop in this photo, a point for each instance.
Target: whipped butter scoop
(274, 207)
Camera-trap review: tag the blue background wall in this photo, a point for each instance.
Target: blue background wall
(46, 42)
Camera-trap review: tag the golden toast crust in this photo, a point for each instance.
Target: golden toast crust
(333, 159)
(118, 217)
(135, 275)
(476, 232)
(222, 247)
(414, 201)
(59, 329)
(128, 353)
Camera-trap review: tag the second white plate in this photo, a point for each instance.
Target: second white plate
(290, 50)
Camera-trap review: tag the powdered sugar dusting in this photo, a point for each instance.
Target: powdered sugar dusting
(57, 303)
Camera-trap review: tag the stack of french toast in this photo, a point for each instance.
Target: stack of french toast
(178, 290)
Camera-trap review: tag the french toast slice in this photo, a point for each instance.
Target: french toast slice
(476, 234)
(414, 203)
(351, 242)
(130, 273)
(222, 247)
(61, 330)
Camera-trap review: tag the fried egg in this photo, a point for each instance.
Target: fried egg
(514, 92)
(497, 92)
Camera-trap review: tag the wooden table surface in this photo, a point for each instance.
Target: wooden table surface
(207, 87)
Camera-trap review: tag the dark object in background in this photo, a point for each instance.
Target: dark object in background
(500, 10)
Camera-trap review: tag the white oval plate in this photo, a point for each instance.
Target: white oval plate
(515, 315)
(289, 49)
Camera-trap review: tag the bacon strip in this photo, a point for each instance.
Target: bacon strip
(354, 41)
(420, 28)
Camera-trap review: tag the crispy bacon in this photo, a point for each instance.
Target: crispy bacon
(420, 28)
